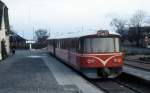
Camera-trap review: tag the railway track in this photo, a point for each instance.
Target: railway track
(138, 61)
(137, 65)
(123, 84)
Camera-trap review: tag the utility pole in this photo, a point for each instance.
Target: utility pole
(82, 28)
(33, 33)
(49, 34)
(23, 34)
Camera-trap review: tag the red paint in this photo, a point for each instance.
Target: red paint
(100, 61)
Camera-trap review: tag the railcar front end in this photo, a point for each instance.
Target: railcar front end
(101, 57)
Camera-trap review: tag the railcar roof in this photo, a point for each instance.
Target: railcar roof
(79, 34)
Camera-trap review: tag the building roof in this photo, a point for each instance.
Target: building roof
(1, 3)
(142, 29)
(16, 38)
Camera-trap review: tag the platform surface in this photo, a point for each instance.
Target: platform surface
(36, 72)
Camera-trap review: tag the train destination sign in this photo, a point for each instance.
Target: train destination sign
(103, 33)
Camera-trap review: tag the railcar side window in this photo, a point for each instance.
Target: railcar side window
(87, 45)
(93, 45)
(117, 45)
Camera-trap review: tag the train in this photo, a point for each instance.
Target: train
(95, 55)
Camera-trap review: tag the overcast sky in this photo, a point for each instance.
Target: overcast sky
(62, 16)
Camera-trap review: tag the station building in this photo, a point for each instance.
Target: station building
(143, 33)
(4, 29)
(17, 41)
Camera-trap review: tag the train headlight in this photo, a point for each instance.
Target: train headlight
(90, 61)
(117, 60)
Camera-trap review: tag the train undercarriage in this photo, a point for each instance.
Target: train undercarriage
(102, 72)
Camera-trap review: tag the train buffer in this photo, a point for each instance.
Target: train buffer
(37, 72)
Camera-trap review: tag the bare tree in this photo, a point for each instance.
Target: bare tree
(41, 34)
(137, 21)
(137, 18)
(120, 26)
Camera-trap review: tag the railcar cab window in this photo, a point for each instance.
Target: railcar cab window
(107, 44)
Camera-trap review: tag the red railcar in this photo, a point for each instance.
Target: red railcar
(96, 55)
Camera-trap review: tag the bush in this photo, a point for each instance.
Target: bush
(3, 49)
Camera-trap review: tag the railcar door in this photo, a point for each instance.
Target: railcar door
(54, 46)
(73, 51)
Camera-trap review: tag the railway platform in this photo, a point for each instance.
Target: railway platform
(36, 72)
